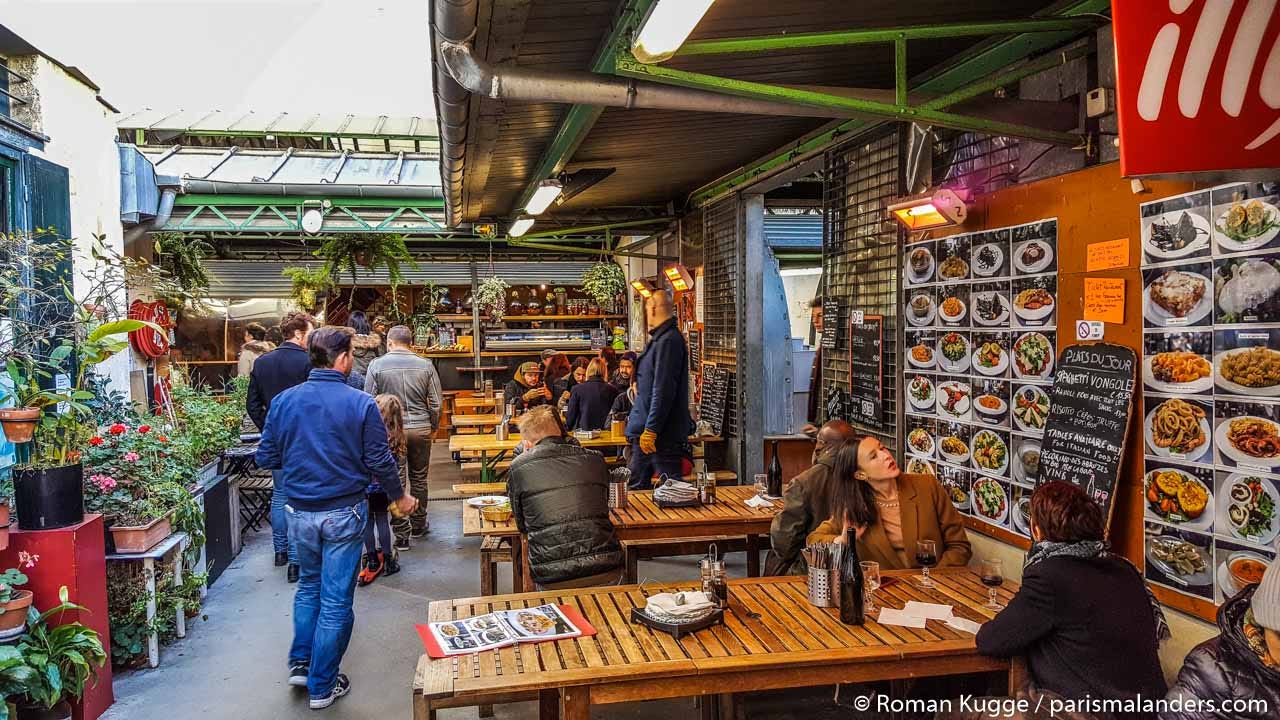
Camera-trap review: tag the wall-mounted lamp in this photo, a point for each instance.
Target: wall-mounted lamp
(520, 227)
(925, 211)
(646, 287)
(666, 27)
(679, 278)
(547, 192)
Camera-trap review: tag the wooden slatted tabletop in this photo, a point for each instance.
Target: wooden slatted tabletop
(771, 638)
(480, 421)
(474, 524)
(500, 487)
(642, 519)
(473, 403)
(489, 443)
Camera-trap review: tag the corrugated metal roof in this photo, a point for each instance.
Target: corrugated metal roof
(303, 167)
(338, 125)
(241, 279)
(793, 232)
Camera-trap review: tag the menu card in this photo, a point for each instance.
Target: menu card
(503, 628)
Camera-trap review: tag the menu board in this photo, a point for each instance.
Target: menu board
(837, 404)
(715, 396)
(695, 348)
(981, 340)
(830, 323)
(1211, 379)
(866, 368)
(1084, 435)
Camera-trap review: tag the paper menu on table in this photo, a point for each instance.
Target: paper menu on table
(963, 624)
(929, 611)
(890, 616)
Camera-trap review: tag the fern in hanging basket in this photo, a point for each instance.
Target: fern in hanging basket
(309, 284)
(182, 257)
(491, 296)
(604, 281)
(344, 252)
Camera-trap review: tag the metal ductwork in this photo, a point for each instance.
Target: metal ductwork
(453, 21)
(163, 212)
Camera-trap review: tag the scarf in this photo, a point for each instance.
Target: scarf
(1098, 549)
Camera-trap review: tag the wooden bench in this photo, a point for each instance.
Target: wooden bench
(493, 550)
(633, 551)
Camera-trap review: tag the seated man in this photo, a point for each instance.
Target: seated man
(526, 389)
(805, 503)
(560, 499)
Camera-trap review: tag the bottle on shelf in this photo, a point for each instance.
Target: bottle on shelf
(852, 583)
(445, 307)
(514, 306)
(468, 301)
(549, 305)
(534, 307)
(775, 473)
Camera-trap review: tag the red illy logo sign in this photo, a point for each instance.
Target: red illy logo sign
(1198, 87)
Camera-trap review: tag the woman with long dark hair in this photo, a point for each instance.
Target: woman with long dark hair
(366, 345)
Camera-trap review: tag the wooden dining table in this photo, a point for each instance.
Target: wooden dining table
(771, 638)
(493, 451)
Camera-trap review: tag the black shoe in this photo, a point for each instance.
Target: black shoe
(402, 542)
(298, 674)
(392, 566)
(292, 575)
(340, 688)
(282, 559)
(420, 532)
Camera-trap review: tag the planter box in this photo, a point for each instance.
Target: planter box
(208, 473)
(141, 538)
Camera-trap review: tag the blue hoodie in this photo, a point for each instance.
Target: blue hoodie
(329, 439)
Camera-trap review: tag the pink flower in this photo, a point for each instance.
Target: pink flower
(104, 482)
(131, 456)
(26, 559)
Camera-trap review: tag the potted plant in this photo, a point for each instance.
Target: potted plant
(491, 295)
(13, 600)
(4, 523)
(183, 258)
(346, 251)
(64, 660)
(603, 281)
(309, 285)
(29, 399)
(130, 473)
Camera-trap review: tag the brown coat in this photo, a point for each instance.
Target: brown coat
(927, 514)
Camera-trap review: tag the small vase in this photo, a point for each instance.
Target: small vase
(19, 423)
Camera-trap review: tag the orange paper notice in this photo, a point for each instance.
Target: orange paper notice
(1107, 254)
(1104, 299)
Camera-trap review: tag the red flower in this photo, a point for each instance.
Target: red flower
(144, 429)
(117, 429)
(95, 441)
(163, 438)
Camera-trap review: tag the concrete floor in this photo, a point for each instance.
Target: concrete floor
(231, 665)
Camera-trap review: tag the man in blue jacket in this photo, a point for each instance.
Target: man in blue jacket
(659, 424)
(328, 439)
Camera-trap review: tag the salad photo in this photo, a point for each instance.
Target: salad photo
(953, 351)
(990, 452)
(1030, 408)
(990, 500)
(1248, 508)
(1032, 356)
(920, 392)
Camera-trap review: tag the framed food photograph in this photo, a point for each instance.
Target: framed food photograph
(1176, 228)
(989, 452)
(1178, 428)
(953, 259)
(1247, 290)
(955, 350)
(1237, 566)
(953, 305)
(1179, 495)
(920, 306)
(1034, 247)
(1177, 296)
(953, 443)
(922, 393)
(990, 353)
(922, 437)
(989, 498)
(1032, 355)
(1246, 361)
(1246, 434)
(989, 304)
(922, 347)
(1030, 408)
(1248, 507)
(956, 480)
(920, 263)
(1179, 559)
(1035, 301)
(921, 466)
(991, 398)
(990, 254)
(1020, 510)
(1178, 361)
(1246, 217)
(1025, 464)
(953, 399)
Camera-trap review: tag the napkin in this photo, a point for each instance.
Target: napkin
(756, 501)
(684, 603)
(929, 611)
(890, 616)
(675, 491)
(963, 625)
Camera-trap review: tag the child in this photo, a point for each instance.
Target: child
(386, 561)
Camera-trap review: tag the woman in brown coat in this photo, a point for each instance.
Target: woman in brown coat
(890, 510)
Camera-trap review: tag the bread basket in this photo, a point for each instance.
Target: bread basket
(496, 513)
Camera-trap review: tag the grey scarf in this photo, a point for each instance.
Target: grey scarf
(1091, 549)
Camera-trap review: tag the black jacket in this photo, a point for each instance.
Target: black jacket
(589, 404)
(513, 394)
(662, 389)
(560, 499)
(1085, 626)
(272, 374)
(1225, 668)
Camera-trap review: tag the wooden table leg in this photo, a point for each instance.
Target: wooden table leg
(180, 622)
(548, 705)
(517, 572)
(1017, 675)
(753, 555)
(632, 558)
(575, 704)
(709, 705)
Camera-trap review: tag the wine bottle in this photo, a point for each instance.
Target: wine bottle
(775, 473)
(852, 583)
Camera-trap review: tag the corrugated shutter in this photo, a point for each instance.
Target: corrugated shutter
(793, 232)
(245, 279)
(722, 242)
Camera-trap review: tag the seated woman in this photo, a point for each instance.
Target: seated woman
(1083, 617)
(889, 509)
(1241, 664)
(591, 399)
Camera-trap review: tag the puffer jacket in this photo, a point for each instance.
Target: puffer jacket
(560, 499)
(1225, 668)
(364, 350)
(251, 351)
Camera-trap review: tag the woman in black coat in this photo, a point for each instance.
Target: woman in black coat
(590, 401)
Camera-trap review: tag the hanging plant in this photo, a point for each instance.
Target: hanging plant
(424, 312)
(345, 251)
(182, 257)
(309, 285)
(603, 282)
(491, 296)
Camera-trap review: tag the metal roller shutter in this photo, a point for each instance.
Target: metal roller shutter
(722, 254)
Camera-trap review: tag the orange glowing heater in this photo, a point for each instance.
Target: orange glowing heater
(679, 278)
(939, 208)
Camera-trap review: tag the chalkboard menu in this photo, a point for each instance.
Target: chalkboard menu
(866, 368)
(695, 349)
(837, 404)
(715, 396)
(830, 323)
(1089, 409)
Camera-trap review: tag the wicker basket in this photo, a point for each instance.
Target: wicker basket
(496, 513)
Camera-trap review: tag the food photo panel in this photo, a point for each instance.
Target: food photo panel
(1237, 566)
(991, 404)
(989, 451)
(989, 254)
(1180, 559)
(922, 437)
(921, 466)
(1032, 355)
(989, 499)
(922, 348)
(991, 353)
(953, 443)
(1176, 228)
(953, 399)
(953, 258)
(920, 263)
(1178, 361)
(955, 349)
(1020, 510)
(1179, 495)
(1248, 507)
(956, 481)
(1177, 296)
(1030, 407)
(1035, 301)
(922, 393)
(1247, 434)
(1246, 217)
(1247, 290)
(953, 305)
(990, 305)
(1247, 362)
(1026, 460)
(1035, 247)
(1178, 429)
(920, 306)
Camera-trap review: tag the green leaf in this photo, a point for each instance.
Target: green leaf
(118, 327)
(60, 353)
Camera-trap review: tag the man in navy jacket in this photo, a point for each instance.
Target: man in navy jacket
(659, 424)
(328, 439)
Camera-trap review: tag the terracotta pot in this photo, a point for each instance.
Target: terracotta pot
(141, 538)
(19, 423)
(4, 524)
(14, 620)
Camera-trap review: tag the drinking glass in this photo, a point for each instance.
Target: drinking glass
(992, 572)
(926, 557)
(871, 580)
(762, 484)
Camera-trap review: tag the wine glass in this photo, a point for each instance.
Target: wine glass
(871, 580)
(762, 484)
(926, 557)
(992, 572)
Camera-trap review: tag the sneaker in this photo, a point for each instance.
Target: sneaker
(420, 532)
(298, 674)
(392, 565)
(282, 559)
(292, 574)
(402, 542)
(372, 569)
(340, 688)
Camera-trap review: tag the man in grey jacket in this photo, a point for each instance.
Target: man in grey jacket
(414, 381)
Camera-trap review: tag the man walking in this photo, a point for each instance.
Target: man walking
(659, 424)
(328, 439)
(273, 373)
(414, 381)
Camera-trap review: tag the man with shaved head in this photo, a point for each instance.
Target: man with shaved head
(659, 424)
(805, 503)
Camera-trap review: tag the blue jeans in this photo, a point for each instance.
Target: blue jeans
(280, 519)
(329, 546)
(666, 461)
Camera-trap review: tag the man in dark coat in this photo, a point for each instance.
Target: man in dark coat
(560, 501)
(659, 424)
(273, 373)
(805, 503)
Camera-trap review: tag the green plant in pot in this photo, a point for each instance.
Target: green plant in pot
(603, 282)
(309, 285)
(65, 659)
(130, 473)
(183, 258)
(491, 296)
(14, 601)
(344, 252)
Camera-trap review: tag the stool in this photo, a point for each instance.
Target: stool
(493, 550)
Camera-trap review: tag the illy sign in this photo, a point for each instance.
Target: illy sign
(1198, 87)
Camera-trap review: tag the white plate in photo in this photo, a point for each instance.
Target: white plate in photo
(1196, 579)
(959, 496)
(1149, 379)
(996, 411)
(1032, 266)
(1021, 459)
(983, 509)
(1271, 216)
(923, 387)
(920, 442)
(1001, 365)
(1203, 521)
(1039, 313)
(923, 364)
(1025, 417)
(952, 318)
(1203, 232)
(921, 320)
(983, 271)
(1193, 456)
(1245, 513)
(1225, 447)
(1000, 319)
(961, 363)
(1237, 389)
(999, 443)
(488, 501)
(962, 403)
(1022, 515)
(1158, 315)
(959, 458)
(1227, 579)
(918, 466)
(918, 277)
(1026, 342)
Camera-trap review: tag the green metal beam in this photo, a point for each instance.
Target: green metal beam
(882, 35)
(533, 245)
(1026, 70)
(205, 199)
(593, 228)
(900, 72)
